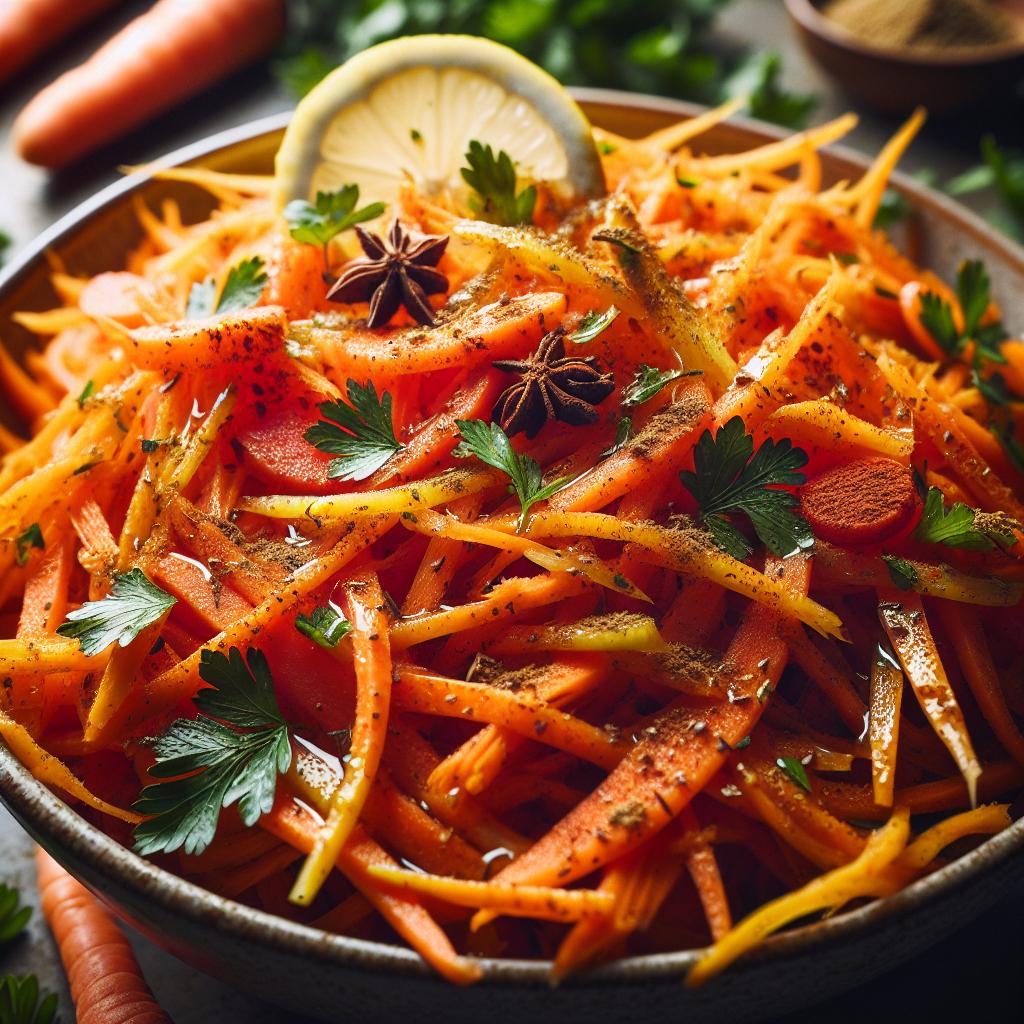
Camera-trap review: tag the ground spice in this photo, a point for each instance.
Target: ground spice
(926, 24)
(861, 502)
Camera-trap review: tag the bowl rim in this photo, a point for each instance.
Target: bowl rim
(58, 825)
(809, 16)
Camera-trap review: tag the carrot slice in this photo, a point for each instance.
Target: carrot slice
(884, 724)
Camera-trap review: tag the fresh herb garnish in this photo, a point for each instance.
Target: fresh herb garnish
(493, 179)
(31, 538)
(20, 1003)
(956, 528)
(901, 572)
(729, 476)
(333, 212)
(325, 625)
(758, 78)
(648, 381)
(13, 916)
(937, 318)
(361, 433)
(892, 208)
(592, 324)
(86, 394)
(208, 765)
(1002, 170)
(993, 387)
(605, 148)
(490, 444)
(132, 604)
(242, 288)
(794, 768)
(623, 433)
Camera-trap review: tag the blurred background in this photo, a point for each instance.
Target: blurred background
(799, 61)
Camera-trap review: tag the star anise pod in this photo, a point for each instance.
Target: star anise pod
(551, 385)
(396, 272)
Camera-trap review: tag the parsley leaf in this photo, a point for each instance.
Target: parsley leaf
(490, 444)
(993, 388)
(13, 916)
(208, 765)
(648, 381)
(493, 178)
(20, 1003)
(794, 768)
(132, 604)
(325, 625)
(623, 433)
(957, 527)
(974, 292)
(592, 324)
(937, 318)
(901, 572)
(86, 394)
(31, 538)
(361, 433)
(242, 288)
(729, 476)
(333, 212)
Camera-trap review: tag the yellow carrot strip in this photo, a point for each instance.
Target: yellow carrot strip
(371, 652)
(42, 655)
(823, 423)
(53, 321)
(622, 632)
(988, 820)
(182, 465)
(422, 691)
(514, 900)
(676, 135)
(503, 602)
(691, 552)
(776, 155)
(47, 768)
(868, 191)
(390, 500)
(902, 615)
(433, 524)
(246, 184)
(884, 725)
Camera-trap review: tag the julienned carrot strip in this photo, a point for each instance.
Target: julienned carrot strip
(420, 691)
(903, 618)
(864, 877)
(979, 821)
(474, 765)
(964, 631)
(868, 191)
(371, 651)
(690, 553)
(884, 724)
(144, 69)
(45, 767)
(405, 914)
(107, 986)
(702, 865)
(668, 766)
(45, 599)
(233, 882)
(433, 524)
(538, 902)
(42, 654)
(657, 451)
(504, 601)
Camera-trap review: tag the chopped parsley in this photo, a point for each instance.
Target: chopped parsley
(361, 433)
(592, 324)
(648, 381)
(729, 477)
(493, 180)
(132, 604)
(325, 625)
(901, 572)
(86, 394)
(490, 444)
(794, 768)
(623, 433)
(242, 288)
(333, 212)
(32, 537)
(231, 753)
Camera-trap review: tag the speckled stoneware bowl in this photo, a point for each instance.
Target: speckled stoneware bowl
(336, 978)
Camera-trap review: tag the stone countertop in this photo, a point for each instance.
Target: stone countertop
(976, 973)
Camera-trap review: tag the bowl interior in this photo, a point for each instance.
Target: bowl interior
(98, 235)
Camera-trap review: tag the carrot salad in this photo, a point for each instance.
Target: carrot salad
(515, 579)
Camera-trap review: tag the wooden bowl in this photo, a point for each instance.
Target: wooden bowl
(333, 977)
(897, 81)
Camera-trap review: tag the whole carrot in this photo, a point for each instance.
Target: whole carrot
(175, 50)
(30, 27)
(106, 984)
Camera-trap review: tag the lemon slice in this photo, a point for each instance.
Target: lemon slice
(407, 110)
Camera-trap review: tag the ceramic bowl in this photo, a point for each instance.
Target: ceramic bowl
(332, 977)
(897, 81)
